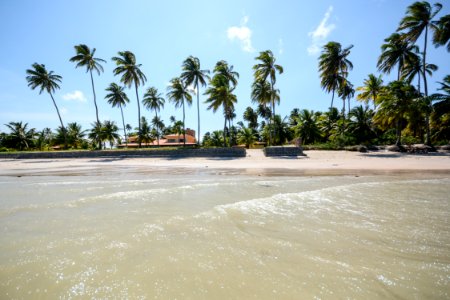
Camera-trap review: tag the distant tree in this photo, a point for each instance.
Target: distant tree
(48, 81)
(146, 130)
(251, 117)
(361, 124)
(118, 97)
(370, 90)
(307, 127)
(158, 124)
(178, 94)
(75, 135)
(20, 137)
(85, 58)
(153, 101)
(110, 134)
(334, 66)
(131, 74)
(194, 75)
(246, 136)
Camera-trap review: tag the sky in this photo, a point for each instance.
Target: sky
(162, 34)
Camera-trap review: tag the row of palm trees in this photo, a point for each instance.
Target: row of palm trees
(400, 51)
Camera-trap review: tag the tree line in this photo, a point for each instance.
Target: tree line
(401, 111)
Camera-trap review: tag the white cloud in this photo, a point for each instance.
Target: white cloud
(75, 96)
(243, 34)
(321, 33)
(280, 46)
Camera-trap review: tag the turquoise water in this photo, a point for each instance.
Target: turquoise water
(222, 236)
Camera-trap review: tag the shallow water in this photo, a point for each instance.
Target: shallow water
(204, 236)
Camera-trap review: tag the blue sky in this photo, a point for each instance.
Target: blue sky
(163, 33)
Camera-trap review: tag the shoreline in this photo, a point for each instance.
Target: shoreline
(315, 162)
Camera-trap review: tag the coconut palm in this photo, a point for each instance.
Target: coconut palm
(147, 133)
(441, 35)
(178, 94)
(371, 89)
(118, 97)
(110, 134)
(75, 135)
(307, 127)
(85, 58)
(396, 102)
(418, 20)
(96, 134)
(153, 101)
(396, 52)
(20, 136)
(360, 124)
(48, 81)
(220, 91)
(158, 124)
(334, 66)
(251, 117)
(267, 69)
(131, 74)
(414, 68)
(193, 75)
(246, 136)
(346, 92)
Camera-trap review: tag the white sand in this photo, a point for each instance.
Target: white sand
(321, 162)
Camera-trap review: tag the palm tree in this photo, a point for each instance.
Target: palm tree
(251, 117)
(193, 74)
(96, 134)
(158, 124)
(334, 66)
(110, 134)
(396, 51)
(48, 81)
(75, 134)
(153, 101)
(147, 134)
(414, 68)
(441, 36)
(371, 89)
(267, 68)
(20, 136)
(307, 128)
(418, 20)
(346, 92)
(396, 103)
(246, 136)
(131, 74)
(179, 94)
(220, 91)
(118, 97)
(85, 58)
(360, 124)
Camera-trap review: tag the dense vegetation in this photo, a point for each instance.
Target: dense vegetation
(398, 112)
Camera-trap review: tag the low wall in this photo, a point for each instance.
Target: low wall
(283, 151)
(209, 152)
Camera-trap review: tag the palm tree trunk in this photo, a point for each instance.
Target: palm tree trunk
(399, 134)
(157, 127)
(124, 129)
(332, 97)
(425, 86)
(225, 132)
(139, 114)
(95, 102)
(184, 129)
(60, 120)
(198, 111)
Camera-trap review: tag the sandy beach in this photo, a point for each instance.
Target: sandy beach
(315, 162)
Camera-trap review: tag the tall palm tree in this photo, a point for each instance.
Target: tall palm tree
(131, 74)
(220, 91)
(178, 93)
(346, 92)
(414, 68)
(441, 36)
(251, 117)
(418, 20)
(193, 74)
(153, 101)
(48, 81)
(85, 58)
(371, 89)
(267, 69)
(334, 66)
(118, 97)
(396, 51)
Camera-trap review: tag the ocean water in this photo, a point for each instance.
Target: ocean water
(202, 235)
